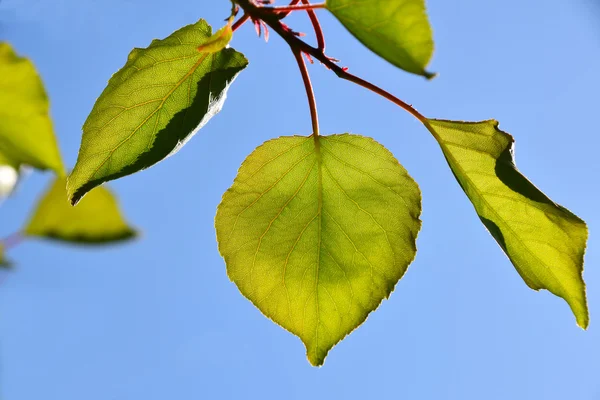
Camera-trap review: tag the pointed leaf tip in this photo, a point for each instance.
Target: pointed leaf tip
(405, 39)
(218, 41)
(151, 107)
(544, 241)
(316, 232)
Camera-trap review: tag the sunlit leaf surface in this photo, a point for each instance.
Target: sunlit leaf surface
(397, 30)
(26, 134)
(316, 233)
(161, 97)
(545, 242)
(96, 219)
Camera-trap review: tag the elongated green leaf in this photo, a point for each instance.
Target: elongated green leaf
(26, 135)
(95, 220)
(397, 30)
(544, 241)
(317, 236)
(161, 97)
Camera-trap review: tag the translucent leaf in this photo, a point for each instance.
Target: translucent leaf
(317, 236)
(397, 30)
(544, 241)
(161, 97)
(26, 134)
(96, 219)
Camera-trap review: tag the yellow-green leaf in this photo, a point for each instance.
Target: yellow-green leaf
(218, 41)
(161, 97)
(26, 134)
(544, 241)
(397, 30)
(317, 232)
(96, 219)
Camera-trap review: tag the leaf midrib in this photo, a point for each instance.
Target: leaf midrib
(158, 108)
(492, 209)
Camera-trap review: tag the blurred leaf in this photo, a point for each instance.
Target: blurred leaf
(161, 97)
(544, 241)
(97, 219)
(5, 264)
(397, 30)
(26, 134)
(317, 236)
(9, 175)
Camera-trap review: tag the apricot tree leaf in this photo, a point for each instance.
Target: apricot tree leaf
(95, 220)
(26, 134)
(316, 232)
(397, 30)
(544, 241)
(161, 97)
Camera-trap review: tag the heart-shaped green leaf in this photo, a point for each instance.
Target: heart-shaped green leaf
(161, 97)
(26, 134)
(317, 231)
(397, 30)
(95, 220)
(544, 241)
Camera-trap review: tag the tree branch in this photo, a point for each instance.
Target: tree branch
(273, 20)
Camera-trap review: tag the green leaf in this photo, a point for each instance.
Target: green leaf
(397, 30)
(161, 97)
(317, 232)
(26, 134)
(544, 241)
(4, 264)
(95, 220)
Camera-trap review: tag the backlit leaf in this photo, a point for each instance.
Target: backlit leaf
(26, 134)
(96, 219)
(545, 242)
(397, 30)
(154, 105)
(316, 236)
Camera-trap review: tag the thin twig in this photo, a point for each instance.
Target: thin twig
(317, 26)
(240, 22)
(295, 7)
(288, 35)
(312, 103)
(12, 240)
(285, 14)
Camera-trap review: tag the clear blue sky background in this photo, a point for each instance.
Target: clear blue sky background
(158, 318)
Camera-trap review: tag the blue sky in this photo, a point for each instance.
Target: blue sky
(158, 318)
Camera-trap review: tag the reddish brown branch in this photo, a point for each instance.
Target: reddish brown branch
(297, 44)
(295, 7)
(312, 103)
(316, 25)
(240, 22)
